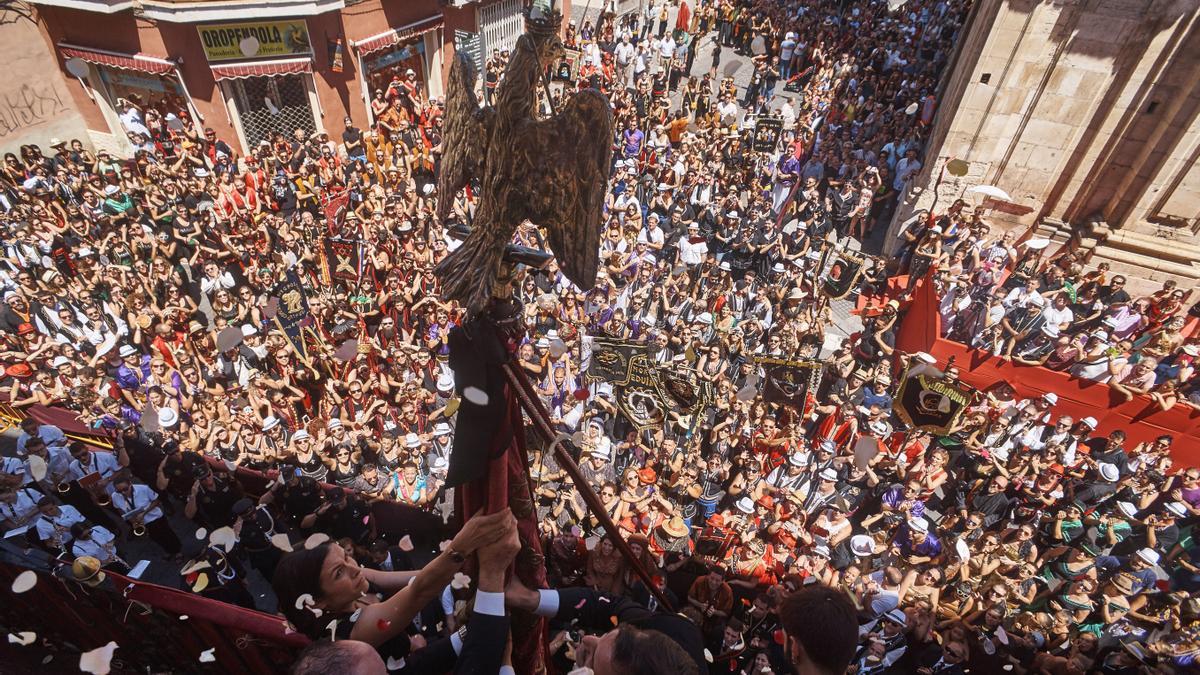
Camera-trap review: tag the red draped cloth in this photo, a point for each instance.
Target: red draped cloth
(506, 484)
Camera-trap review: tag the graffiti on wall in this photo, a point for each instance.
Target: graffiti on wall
(28, 106)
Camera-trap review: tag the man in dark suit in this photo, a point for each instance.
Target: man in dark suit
(483, 649)
(655, 642)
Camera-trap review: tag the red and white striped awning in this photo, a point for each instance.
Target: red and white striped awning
(233, 71)
(394, 36)
(140, 62)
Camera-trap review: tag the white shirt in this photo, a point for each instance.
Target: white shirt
(625, 53)
(1057, 317)
(98, 546)
(666, 48)
(692, 254)
(103, 463)
(50, 526)
(24, 505)
(142, 495)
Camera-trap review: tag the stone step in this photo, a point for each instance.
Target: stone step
(1176, 249)
(1145, 274)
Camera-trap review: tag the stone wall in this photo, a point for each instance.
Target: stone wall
(1084, 109)
(35, 104)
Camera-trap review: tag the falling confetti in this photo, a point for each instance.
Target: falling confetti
(315, 540)
(281, 542)
(208, 655)
(581, 603)
(224, 537)
(405, 543)
(37, 467)
(395, 664)
(708, 656)
(195, 567)
(444, 545)
(460, 581)
(201, 583)
(183, 617)
(201, 533)
(475, 395)
(25, 581)
(97, 661)
(24, 638)
(383, 624)
(357, 613)
(332, 628)
(304, 600)
(613, 619)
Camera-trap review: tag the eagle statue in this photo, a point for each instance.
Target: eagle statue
(552, 172)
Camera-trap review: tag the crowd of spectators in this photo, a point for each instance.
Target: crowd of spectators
(1021, 538)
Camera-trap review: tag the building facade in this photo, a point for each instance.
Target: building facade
(253, 68)
(1085, 113)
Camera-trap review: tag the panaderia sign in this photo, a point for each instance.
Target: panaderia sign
(264, 39)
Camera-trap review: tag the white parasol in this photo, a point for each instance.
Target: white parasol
(992, 191)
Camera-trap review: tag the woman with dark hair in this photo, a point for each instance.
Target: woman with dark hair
(324, 591)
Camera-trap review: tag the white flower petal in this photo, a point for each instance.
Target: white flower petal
(708, 656)
(304, 600)
(208, 655)
(444, 545)
(357, 613)
(37, 467)
(25, 581)
(476, 395)
(315, 540)
(183, 617)
(224, 537)
(282, 542)
(460, 581)
(97, 661)
(405, 543)
(24, 638)
(201, 533)
(394, 664)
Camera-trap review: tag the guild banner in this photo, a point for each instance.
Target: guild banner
(343, 257)
(931, 403)
(841, 276)
(789, 381)
(292, 309)
(610, 358)
(767, 132)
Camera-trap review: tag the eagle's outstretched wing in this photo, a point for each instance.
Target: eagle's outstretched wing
(466, 130)
(569, 198)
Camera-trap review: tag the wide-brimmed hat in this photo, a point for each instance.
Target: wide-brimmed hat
(862, 545)
(674, 526)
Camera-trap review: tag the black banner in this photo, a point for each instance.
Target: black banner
(610, 358)
(842, 275)
(931, 403)
(344, 259)
(767, 132)
(639, 397)
(788, 381)
(292, 310)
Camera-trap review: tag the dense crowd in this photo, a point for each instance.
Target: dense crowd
(1021, 538)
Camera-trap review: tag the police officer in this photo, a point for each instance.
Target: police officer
(212, 498)
(255, 527)
(294, 497)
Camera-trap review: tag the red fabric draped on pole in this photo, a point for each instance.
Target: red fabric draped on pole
(506, 484)
(1140, 418)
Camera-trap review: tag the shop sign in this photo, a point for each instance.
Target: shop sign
(393, 57)
(265, 39)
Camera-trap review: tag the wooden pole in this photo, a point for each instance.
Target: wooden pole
(533, 407)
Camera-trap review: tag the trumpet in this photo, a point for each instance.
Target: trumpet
(102, 499)
(139, 528)
(64, 487)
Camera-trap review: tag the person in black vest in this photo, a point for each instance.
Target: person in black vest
(212, 498)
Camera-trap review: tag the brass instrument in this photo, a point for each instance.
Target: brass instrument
(139, 529)
(64, 487)
(102, 499)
